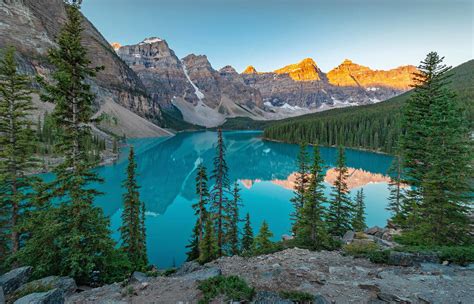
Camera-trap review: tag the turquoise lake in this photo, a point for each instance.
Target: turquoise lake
(167, 168)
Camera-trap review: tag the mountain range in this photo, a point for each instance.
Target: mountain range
(146, 87)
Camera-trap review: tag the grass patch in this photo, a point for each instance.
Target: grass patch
(297, 296)
(231, 287)
(370, 251)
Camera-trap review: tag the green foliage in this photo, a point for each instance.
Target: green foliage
(461, 255)
(231, 287)
(311, 231)
(358, 219)
(247, 238)
(340, 208)
(29, 289)
(297, 296)
(397, 195)
(301, 184)
(219, 193)
(374, 127)
(17, 145)
(133, 230)
(208, 249)
(232, 229)
(437, 154)
(262, 243)
(368, 250)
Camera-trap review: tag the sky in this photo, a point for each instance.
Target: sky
(270, 34)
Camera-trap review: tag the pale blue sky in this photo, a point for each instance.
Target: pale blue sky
(269, 34)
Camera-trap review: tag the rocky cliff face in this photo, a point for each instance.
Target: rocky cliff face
(31, 27)
(299, 88)
(203, 95)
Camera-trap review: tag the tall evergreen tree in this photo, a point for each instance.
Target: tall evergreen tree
(200, 210)
(233, 223)
(247, 238)
(132, 231)
(220, 192)
(358, 218)
(81, 238)
(301, 184)
(437, 149)
(17, 145)
(312, 230)
(208, 249)
(340, 208)
(262, 242)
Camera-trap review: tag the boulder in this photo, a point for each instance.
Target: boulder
(2, 296)
(383, 242)
(188, 267)
(411, 259)
(138, 277)
(203, 274)
(268, 297)
(54, 296)
(391, 298)
(319, 299)
(376, 231)
(348, 237)
(12, 280)
(66, 284)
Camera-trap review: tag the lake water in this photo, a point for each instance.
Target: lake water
(167, 168)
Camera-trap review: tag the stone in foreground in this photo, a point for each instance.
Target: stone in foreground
(54, 296)
(12, 280)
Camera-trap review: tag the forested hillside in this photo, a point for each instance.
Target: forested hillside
(374, 127)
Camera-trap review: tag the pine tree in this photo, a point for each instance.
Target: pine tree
(200, 210)
(358, 219)
(340, 208)
(301, 184)
(208, 249)
(233, 223)
(17, 145)
(132, 231)
(219, 192)
(312, 231)
(247, 238)
(262, 243)
(81, 241)
(395, 185)
(438, 159)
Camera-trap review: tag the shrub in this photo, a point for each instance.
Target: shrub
(231, 287)
(379, 256)
(360, 249)
(461, 255)
(297, 296)
(169, 272)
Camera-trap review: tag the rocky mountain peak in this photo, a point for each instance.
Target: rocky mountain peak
(250, 70)
(228, 70)
(352, 74)
(305, 70)
(116, 45)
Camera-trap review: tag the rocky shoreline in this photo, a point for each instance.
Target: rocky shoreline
(329, 276)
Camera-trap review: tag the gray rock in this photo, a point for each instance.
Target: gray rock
(391, 298)
(54, 296)
(139, 277)
(348, 237)
(268, 297)
(203, 274)
(319, 299)
(411, 259)
(383, 242)
(188, 267)
(2, 296)
(286, 237)
(12, 280)
(66, 284)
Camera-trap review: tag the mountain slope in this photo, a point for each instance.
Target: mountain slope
(372, 127)
(31, 27)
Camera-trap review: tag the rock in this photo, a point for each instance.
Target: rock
(138, 277)
(374, 230)
(66, 284)
(268, 297)
(12, 280)
(319, 299)
(445, 263)
(54, 296)
(286, 237)
(370, 287)
(362, 242)
(2, 296)
(383, 242)
(203, 274)
(348, 237)
(391, 298)
(411, 259)
(188, 267)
